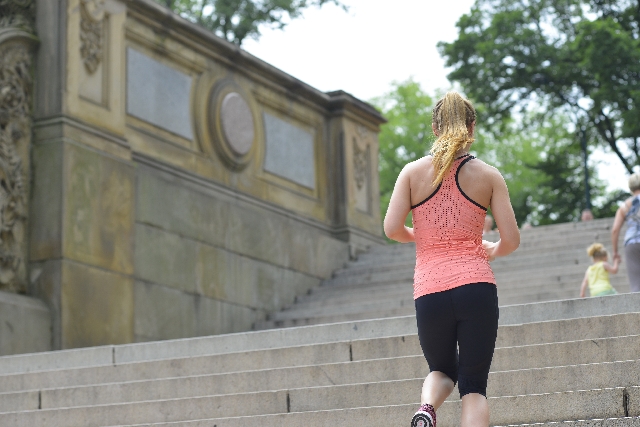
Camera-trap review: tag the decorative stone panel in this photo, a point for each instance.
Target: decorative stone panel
(158, 94)
(15, 139)
(92, 16)
(231, 123)
(289, 152)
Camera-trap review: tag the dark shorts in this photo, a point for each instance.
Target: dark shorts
(464, 318)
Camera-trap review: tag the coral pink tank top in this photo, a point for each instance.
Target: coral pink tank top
(447, 227)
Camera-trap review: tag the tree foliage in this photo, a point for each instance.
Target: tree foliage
(579, 57)
(406, 136)
(539, 157)
(235, 20)
(542, 162)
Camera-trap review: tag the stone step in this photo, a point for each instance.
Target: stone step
(404, 273)
(330, 319)
(210, 345)
(549, 407)
(572, 349)
(309, 398)
(552, 376)
(517, 260)
(598, 422)
(509, 314)
(529, 245)
(248, 341)
(401, 301)
(392, 296)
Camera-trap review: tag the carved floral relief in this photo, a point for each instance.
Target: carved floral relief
(92, 15)
(17, 13)
(360, 164)
(15, 127)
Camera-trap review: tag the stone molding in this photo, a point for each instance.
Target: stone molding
(92, 15)
(16, 87)
(229, 193)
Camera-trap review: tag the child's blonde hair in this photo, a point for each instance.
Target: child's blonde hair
(597, 250)
(452, 116)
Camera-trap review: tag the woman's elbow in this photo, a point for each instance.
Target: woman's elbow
(386, 227)
(390, 231)
(512, 241)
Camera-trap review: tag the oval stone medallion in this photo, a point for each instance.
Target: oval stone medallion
(237, 123)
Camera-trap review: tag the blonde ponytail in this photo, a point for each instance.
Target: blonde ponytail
(452, 118)
(597, 250)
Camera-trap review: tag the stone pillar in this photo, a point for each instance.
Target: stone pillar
(17, 43)
(81, 233)
(355, 160)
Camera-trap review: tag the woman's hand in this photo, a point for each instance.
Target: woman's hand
(489, 248)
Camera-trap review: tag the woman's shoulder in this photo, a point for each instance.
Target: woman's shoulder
(418, 165)
(479, 167)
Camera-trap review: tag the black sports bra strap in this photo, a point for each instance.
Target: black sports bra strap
(462, 163)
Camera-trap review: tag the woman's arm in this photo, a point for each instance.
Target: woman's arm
(583, 286)
(505, 220)
(617, 225)
(399, 208)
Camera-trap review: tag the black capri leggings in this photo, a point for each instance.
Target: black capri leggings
(466, 316)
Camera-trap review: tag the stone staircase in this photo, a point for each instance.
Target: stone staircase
(549, 265)
(555, 362)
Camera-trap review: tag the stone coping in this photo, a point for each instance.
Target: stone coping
(333, 101)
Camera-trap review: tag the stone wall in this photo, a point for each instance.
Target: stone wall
(181, 186)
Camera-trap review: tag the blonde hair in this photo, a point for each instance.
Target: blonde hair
(634, 182)
(597, 250)
(452, 116)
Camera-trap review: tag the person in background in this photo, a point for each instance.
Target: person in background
(629, 212)
(454, 287)
(597, 275)
(586, 215)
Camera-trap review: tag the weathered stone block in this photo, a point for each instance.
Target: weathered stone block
(163, 313)
(258, 234)
(177, 207)
(165, 258)
(25, 324)
(330, 255)
(46, 284)
(237, 279)
(46, 202)
(96, 306)
(99, 210)
(218, 317)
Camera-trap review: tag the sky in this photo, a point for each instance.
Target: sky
(364, 50)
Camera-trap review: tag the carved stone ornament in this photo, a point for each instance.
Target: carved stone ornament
(15, 127)
(17, 13)
(232, 124)
(360, 164)
(92, 15)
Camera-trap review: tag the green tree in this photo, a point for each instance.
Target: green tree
(406, 136)
(235, 20)
(539, 157)
(575, 56)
